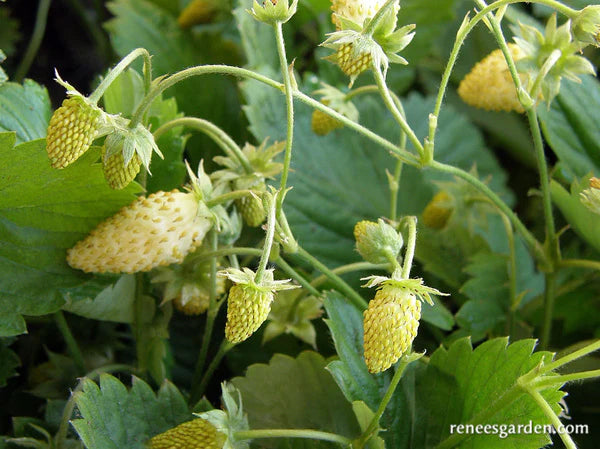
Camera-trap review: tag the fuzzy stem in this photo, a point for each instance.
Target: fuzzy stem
(410, 246)
(582, 263)
(119, 68)
(543, 404)
(197, 71)
(220, 137)
(289, 108)
(403, 155)
(41, 19)
(292, 433)
(225, 347)
(512, 273)
(528, 237)
(570, 357)
(549, 297)
(211, 314)
(349, 268)
(389, 102)
(266, 252)
(394, 188)
(71, 342)
(340, 284)
(562, 379)
(294, 274)
(370, 430)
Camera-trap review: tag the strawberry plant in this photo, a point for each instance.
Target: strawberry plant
(299, 224)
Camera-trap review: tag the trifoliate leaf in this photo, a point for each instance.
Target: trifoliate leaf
(113, 416)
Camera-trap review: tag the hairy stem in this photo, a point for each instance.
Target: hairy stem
(266, 252)
(551, 415)
(120, 68)
(71, 342)
(338, 282)
(289, 109)
(211, 314)
(349, 268)
(220, 137)
(39, 28)
(223, 349)
(410, 247)
(292, 433)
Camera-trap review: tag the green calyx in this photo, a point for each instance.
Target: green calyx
(586, 26)
(409, 286)
(549, 57)
(273, 11)
(246, 277)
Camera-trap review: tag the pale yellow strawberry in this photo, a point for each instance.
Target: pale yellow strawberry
(489, 84)
(194, 434)
(71, 131)
(352, 62)
(390, 326)
(438, 210)
(322, 124)
(117, 175)
(154, 231)
(197, 12)
(247, 308)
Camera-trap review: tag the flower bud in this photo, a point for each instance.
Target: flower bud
(377, 242)
(586, 26)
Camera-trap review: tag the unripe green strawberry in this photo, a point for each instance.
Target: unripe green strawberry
(351, 62)
(251, 208)
(438, 210)
(489, 84)
(247, 308)
(322, 124)
(72, 129)
(390, 326)
(159, 230)
(195, 434)
(116, 174)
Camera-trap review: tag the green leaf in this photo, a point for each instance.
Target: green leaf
(572, 126)
(24, 109)
(9, 362)
(459, 383)
(438, 314)
(312, 399)
(114, 303)
(43, 212)
(584, 221)
(350, 372)
(113, 417)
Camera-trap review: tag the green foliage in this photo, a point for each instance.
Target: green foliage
(460, 384)
(311, 398)
(584, 221)
(24, 109)
(572, 127)
(39, 221)
(114, 417)
(9, 362)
